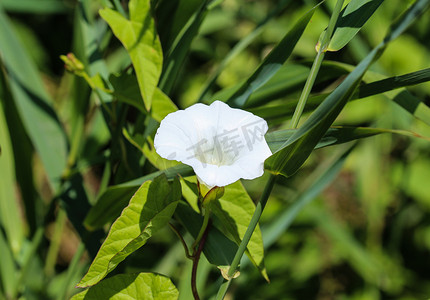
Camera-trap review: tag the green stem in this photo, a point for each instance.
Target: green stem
(316, 65)
(250, 230)
(202, 229)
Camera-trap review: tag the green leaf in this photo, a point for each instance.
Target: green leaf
(115, 198)
(271, 64)
(147, 286)
(139, 37)
(413, 105)
(33, 104)
(150, 209)
(126, 89)
(352, 19)
(147, 148)
(299, 146)
(10, 217)
(235, 210)
(7, 270)
(161, 105)
(190, 190)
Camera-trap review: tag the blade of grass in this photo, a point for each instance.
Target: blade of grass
(10, 217)
(297, 149)
(34, 104)
(272, 63)
(179, 49)
(352, 19)
(8, 270)
(403, 98)
(241, 45)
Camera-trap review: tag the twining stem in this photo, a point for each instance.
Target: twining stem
(196, 258)
(316, 65)
(245, 240)
(202, 229)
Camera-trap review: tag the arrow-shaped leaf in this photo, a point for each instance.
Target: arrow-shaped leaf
(150, 209)
(139, 37)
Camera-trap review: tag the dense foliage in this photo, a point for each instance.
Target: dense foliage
(86, 201)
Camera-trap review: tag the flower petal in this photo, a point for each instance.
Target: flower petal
(222, 144)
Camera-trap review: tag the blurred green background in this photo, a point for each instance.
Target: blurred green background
(366, 236)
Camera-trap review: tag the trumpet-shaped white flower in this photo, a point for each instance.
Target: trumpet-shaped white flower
(221, 143)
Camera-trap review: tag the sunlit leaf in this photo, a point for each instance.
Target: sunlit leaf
(139, 37)
(115, 198)
(147, 286)
(150, 209)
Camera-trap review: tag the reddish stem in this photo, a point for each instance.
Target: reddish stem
(196, 258)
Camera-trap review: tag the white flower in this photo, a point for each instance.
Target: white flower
(222, 144)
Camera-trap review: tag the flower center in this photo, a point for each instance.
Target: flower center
(218, 151)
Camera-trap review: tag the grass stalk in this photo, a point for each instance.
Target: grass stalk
(250, 230)
(316, 65)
